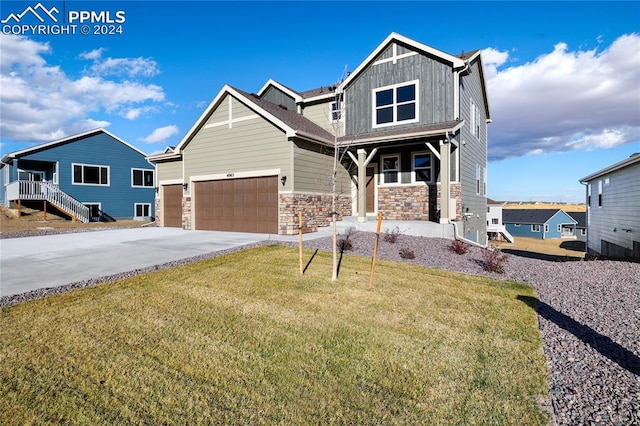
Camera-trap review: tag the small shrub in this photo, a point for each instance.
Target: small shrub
(344, 244)
(494, 260)
(391, 236)
(407, 253)
(459, 247)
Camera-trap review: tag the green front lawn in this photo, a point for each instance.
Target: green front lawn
(244, 339)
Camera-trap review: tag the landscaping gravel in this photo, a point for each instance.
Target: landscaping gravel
(588, 311)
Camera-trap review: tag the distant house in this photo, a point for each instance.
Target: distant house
(90, 176)
(410, 121)
(539, 223)
(613, 209)
(495, 228)
(581, 226)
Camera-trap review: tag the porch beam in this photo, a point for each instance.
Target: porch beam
(433, 150)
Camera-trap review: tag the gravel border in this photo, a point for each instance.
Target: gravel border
(588, 313)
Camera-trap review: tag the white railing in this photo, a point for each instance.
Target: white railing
(501, 229)
(32, 190)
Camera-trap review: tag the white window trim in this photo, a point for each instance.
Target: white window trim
(382, 170)
(535, 228)
(143, 185)
(413, 165)
(560, 227)
(394, 104)
(73, 176)
(546, 228)
(135, 209)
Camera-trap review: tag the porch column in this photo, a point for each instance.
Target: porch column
(445, 181)
(362, 185)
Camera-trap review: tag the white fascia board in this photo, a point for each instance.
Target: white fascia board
(282, 88)
(164, 156)
(400, 137)
(614, 167)
(202, 118)
(328, 96)
(68, 138)
(53, 143)
(454, 61)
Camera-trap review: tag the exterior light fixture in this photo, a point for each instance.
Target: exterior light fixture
(283, 179)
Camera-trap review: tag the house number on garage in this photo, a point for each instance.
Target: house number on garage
(229, 174)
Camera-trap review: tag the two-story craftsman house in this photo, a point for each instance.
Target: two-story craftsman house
(410, 125)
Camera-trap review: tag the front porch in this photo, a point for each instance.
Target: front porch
(48, 194)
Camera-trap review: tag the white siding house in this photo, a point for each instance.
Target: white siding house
(613, 210)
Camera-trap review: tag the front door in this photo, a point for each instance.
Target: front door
(371, 188)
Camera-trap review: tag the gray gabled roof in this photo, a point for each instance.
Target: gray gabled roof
(438, 129)
(291, 118)
(633, 159)
(529, 216)
(580, 217)
(72, 138)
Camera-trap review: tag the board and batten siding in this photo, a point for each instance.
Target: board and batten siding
(248, 145)
(313, 166)
(619, 210)
(117, 199)
(278, 97)
(435, 95)
(473, 153)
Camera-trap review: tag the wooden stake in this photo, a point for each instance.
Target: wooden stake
(45, 209)
(375, 251)
(300, 243)
(19, 210)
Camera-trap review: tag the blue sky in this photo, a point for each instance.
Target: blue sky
(563, 77)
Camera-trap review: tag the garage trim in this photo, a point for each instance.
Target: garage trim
(236, 175)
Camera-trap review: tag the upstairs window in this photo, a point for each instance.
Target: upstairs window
(397, 104)
(336, 109)
(141, 178)
(88, 174)
(474, 115)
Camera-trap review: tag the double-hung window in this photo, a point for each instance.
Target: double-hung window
(142, 209)
(422, 167)
(391, 169)
(141, 178)
(89, 174)
(535, 228)
(396, 104)
(336, 109)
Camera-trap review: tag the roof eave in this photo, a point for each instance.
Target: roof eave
(614, 167)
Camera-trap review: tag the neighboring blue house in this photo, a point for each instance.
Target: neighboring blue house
(91, 176)
(539, 223)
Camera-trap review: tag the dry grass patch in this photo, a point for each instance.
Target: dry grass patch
(243, 339)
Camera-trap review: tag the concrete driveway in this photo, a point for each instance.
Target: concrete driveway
(47, 261)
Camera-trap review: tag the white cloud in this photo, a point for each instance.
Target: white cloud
(40, 102)
(161, 134)
(564, 100)
(131, 67)
(93, 54)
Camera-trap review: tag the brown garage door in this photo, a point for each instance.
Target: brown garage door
(172, 205)
(239, 205)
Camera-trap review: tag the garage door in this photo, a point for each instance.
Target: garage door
(239, 205)
(172, 205)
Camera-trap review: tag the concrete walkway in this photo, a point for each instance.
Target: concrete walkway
(33, 263)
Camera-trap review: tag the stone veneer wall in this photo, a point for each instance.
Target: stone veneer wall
(158, 211)
(186, 212)
(456, 194)
(315, 210)
(414, 202)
